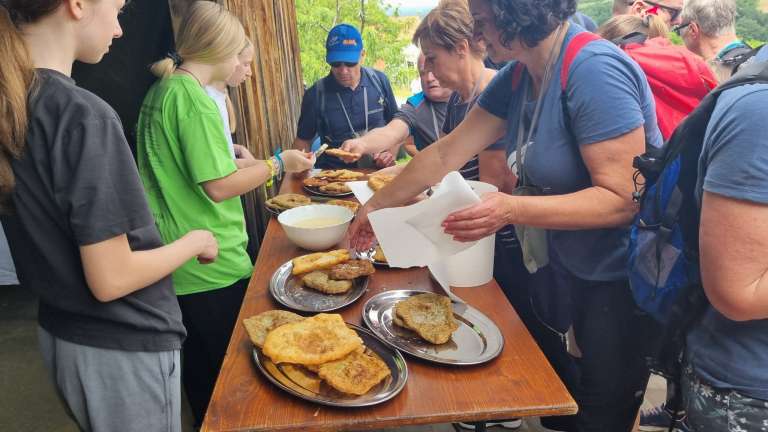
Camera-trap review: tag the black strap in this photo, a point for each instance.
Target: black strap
(374, 77)
(635, 37)
(320, 120)
(746, 58)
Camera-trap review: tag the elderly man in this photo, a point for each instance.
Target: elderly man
(668, 10)
(349, 102)
(708, 29)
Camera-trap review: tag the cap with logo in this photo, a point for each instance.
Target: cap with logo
(344, 44)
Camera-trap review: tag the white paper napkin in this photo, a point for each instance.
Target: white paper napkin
(413, 235)
(361, 190)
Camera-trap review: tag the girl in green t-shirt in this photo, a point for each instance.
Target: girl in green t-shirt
(191, 180)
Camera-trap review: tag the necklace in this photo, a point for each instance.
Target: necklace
(190, 73)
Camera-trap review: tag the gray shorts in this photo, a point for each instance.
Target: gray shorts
(111, 390)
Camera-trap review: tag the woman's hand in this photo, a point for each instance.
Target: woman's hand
(295, 161)
(361, 236)
(241, 152)
(495, 211)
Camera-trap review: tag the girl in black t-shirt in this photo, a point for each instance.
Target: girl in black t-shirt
(80, 231)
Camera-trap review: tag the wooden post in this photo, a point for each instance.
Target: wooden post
(269, 104)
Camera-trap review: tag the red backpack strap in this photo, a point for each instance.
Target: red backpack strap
(517, 75)
(571, 51)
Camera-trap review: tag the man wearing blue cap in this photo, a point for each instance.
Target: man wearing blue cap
(348, 103)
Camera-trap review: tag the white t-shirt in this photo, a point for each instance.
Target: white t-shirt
(221, 102)
(7, 269)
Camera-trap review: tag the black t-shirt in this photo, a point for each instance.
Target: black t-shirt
(76, 185)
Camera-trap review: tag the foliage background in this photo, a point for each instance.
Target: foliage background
(751, 24)
(382, 29)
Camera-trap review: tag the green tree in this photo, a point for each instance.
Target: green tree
(752, 23)
(598, 10)
(379, 26)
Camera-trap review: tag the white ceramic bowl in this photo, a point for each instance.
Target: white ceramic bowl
(315, 239)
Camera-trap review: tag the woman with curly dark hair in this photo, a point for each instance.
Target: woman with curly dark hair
(573, 134)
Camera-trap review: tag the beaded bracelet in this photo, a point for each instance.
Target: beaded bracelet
(271, 165)
(281, 164)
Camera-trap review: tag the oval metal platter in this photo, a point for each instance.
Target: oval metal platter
(289, 292)
(477, 340)
(318, 192)
(325, 395)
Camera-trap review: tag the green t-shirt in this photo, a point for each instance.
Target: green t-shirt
(181, 145)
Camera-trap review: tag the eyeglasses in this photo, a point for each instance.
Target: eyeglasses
(678, 29)
(673, 12)
(347, 64)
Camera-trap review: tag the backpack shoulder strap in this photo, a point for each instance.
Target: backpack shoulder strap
(374, 77)
(746, 58)
(320, 120)
(517, 75)
(632, 38)
(571, 51)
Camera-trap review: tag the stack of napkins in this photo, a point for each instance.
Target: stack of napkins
(413, 236)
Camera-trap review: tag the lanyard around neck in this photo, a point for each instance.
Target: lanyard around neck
(536, 111)
(434, 121)
(471, 100)
(349, 122)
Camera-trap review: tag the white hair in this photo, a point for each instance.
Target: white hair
(714, 17)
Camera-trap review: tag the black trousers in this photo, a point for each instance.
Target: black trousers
(608, 382)
(209, 318)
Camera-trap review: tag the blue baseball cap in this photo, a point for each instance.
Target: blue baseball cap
(344, 44)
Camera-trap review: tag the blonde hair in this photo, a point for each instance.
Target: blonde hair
(620, 26)
(228, 100)
(207, 34)
(447, 25)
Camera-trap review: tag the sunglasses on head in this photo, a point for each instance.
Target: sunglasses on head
(347, 64)
(673, 12)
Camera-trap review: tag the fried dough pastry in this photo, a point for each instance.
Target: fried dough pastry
(303, 377)
(352, 269)
(319, 281)
(319, 261)
(351, 205)
(429, 315)
(339, 153)
(259, 325)
(348, 175)
(335, 188)
(287, 201)
(315, 182)
(355, 374)
(378, 181)
(329, 174)
(317, 340)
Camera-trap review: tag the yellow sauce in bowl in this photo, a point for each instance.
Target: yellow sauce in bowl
(319, 222)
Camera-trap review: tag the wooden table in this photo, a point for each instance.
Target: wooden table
(519, 383)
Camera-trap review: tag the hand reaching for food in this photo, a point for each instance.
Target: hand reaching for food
(295, 161)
